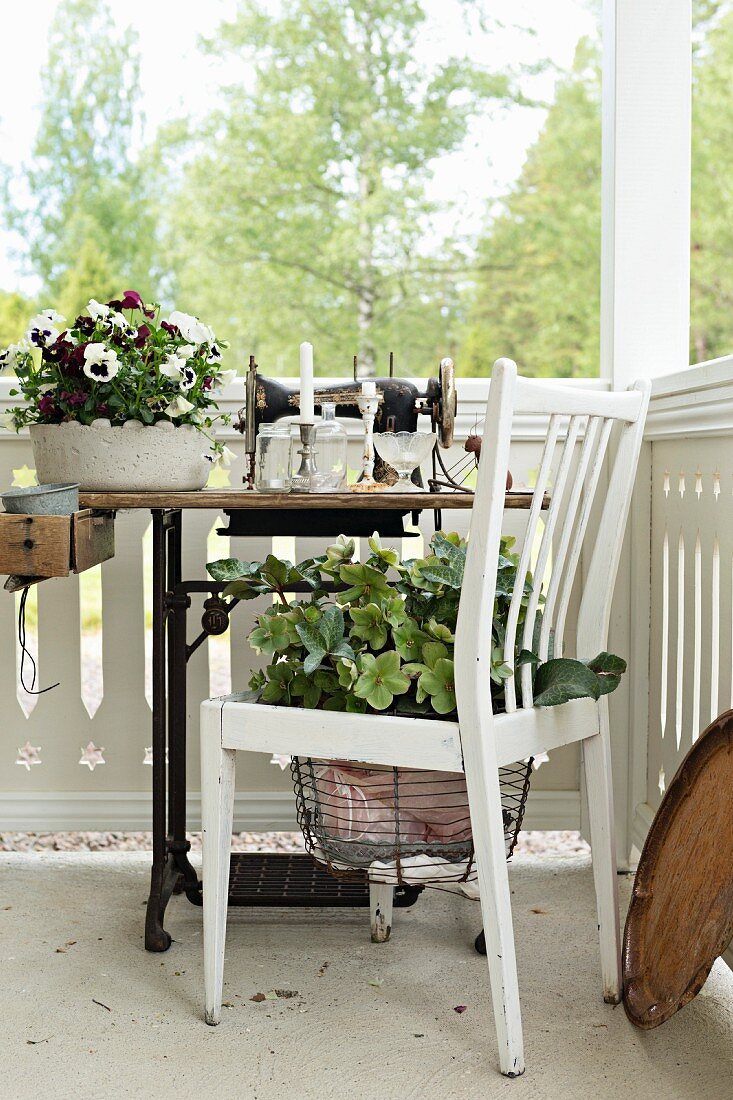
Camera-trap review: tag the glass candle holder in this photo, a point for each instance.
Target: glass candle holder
(272, 459)
(330, 446)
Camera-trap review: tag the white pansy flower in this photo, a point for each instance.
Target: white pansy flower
(100, 362)
(97, 311)
(188, 377)
(226, 457)
(10, 356)
(179, 406)
(41, 330)
(214, 354)
(186, 351)
(117, 320)
(50, 316)
(223, 379)
(190, 328)
(172, 366)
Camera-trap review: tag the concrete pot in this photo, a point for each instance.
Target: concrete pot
(134, 457)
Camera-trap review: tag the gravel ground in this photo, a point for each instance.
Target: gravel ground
(529, 843)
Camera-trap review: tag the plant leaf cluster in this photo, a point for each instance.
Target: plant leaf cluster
(379, 634)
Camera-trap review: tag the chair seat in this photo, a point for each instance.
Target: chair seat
(396, 740)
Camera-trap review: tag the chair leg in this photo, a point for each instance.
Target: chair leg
(488, 840)
(599, 788)
(217, 812)
(380, 905)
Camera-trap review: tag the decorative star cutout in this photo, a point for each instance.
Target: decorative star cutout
(29, 755)
(91, 756)
(24, 477)
(281, 760)
(148, 758)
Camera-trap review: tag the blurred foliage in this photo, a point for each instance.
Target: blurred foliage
(91, 219)
(537, 292)
(299, 205)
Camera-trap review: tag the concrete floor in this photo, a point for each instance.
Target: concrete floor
(368, 1021)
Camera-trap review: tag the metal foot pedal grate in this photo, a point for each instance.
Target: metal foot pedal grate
(291, 879)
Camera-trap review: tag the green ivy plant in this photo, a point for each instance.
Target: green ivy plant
(379, 635)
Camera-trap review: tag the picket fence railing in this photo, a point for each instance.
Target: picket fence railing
(673, 619)
(92, 634)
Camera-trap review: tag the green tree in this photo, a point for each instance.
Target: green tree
(302, 206)
(537, 291)
(15, 313)
(711, 332)
(90, 225)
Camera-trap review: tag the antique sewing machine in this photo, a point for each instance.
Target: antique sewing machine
(401, 404)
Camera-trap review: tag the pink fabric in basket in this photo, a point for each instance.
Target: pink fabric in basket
(359, 804)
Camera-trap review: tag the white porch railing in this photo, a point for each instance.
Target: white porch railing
(110, 662)
(685, 499)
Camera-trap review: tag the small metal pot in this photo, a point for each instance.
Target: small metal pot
(42, 500)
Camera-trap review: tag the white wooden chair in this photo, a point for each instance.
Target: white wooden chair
(580, 427)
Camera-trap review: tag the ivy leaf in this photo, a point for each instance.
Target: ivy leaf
(380, 679)
(562, 679)
(408, 640)
(609, 669)
(313, 660)
(331, 627)
(272, 635)
(439, 683)
(369, 625)
(305, 688)
(311, 637)
(432, 652)
(439, 631)
(365, 583)
(242, 590)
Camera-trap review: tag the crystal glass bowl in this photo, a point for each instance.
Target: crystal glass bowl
(404, 451)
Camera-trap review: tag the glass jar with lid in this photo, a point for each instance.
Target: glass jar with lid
(330, 452)
(272, 459)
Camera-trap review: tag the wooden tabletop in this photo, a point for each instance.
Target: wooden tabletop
(247, 499)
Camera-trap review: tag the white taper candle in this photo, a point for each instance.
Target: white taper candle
(306, 381)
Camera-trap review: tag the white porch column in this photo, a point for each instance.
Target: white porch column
(645, 306)
(645, 251)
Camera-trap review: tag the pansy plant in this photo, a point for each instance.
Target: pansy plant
(379, 635)
(117, 362)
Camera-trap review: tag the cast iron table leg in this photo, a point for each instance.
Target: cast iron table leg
(156, 938)
(170, 847)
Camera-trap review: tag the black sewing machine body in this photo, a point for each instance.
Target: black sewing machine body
(401, 404)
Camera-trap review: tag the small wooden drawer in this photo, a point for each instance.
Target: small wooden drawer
(55, 546)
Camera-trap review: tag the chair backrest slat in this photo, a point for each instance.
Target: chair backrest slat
(579, 433)
(543, 475)
(543, 557)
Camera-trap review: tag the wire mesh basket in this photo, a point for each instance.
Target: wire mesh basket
(402, 825)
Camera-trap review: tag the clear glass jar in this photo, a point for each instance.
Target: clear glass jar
(330, 448)
(272, 459)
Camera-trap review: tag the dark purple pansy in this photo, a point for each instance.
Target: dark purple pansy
(142, 334)
(47, 405)
(131, 300)
(78, 397)
(59, 351)
(102, 409)
(172, 329)
(84, 324)
(207, 382)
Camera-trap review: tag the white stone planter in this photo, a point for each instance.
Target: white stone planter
(134, 457)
